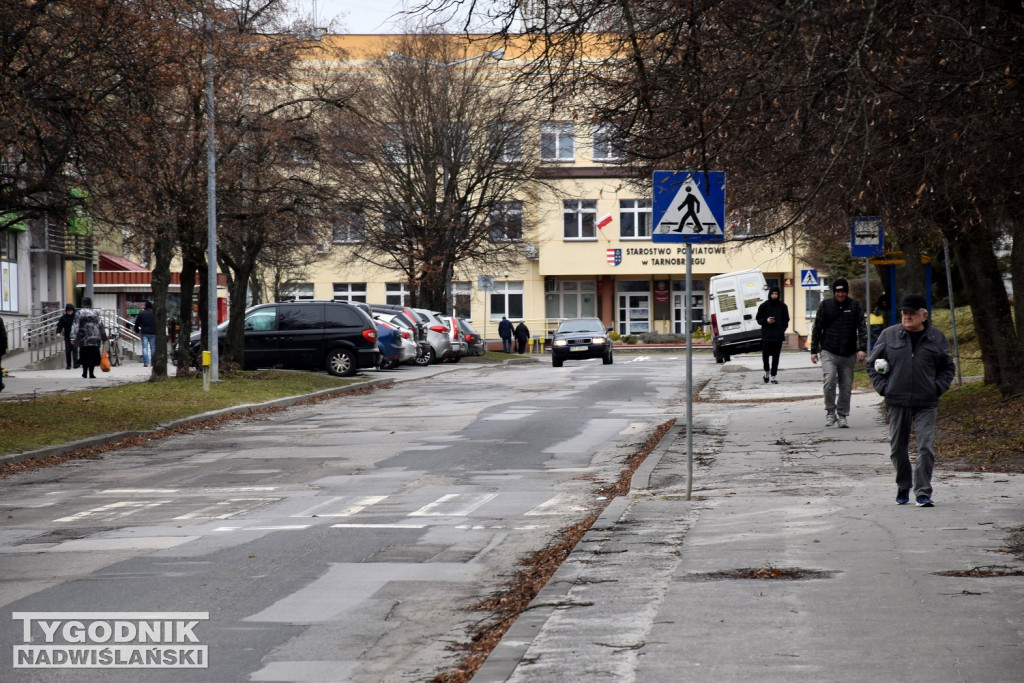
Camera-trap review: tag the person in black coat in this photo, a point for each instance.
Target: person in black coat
(505, 332)
(145, 326)
(3, 350)
(522, 334)
(64, 324)
(773, 317)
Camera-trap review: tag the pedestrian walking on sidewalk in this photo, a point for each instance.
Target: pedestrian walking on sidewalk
(911, 367)
(505, 332)
(89, 334)
(838, 335)
(145, 326)
(64, 325)
(3, 350)
(773, 317)
(522, 336)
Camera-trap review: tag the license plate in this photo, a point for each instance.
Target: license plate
(578, 348)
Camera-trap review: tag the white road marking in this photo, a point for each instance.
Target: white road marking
(454, 505)
(226, 508)
(558, 505)
(112, 511)
(378, 526)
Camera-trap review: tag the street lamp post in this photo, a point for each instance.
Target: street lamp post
(211, 213)
(497, 55)
(211, 190)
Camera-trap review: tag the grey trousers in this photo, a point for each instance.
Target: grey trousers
(838, 375)
(922, 420)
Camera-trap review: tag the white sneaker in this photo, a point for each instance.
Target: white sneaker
(774, 380)
(830, 420)
(841, 420)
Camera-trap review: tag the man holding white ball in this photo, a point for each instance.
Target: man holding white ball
(911, 367)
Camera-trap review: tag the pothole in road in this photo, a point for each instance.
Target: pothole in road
(988, 571)
(763, 574)
(61, 535)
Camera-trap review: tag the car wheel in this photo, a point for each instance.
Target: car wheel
(341, 363)
(719, 358)
(556, 362)
(454, 359)
(427, 358)
(607, 360)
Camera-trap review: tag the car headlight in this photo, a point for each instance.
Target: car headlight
(598, 340)
(559, 342)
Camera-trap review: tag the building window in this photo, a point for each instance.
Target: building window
(634, 219)
(462, 296)
(557, 141)
(571, 299)
(349, 225)
(580, 219)
(507, 300)
(395, 293)
(605, 143)
(506, 222)
(506, 142)
(350, 291)
(297, 290)
(395, 145)
(8, 270)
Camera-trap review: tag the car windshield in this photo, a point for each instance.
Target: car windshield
(571, 326)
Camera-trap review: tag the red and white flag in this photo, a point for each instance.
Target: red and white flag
(605, 220)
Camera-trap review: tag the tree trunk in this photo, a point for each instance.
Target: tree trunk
(163, 250)
(237, 289)
(189, 267)
(993, 322)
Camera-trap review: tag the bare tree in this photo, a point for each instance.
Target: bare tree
(433, 166)
(819, 110)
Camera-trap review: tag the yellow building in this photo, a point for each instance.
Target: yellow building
(587, 250)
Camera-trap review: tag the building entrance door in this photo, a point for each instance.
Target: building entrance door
(634, 313)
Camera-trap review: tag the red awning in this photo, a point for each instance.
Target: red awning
(112, 262)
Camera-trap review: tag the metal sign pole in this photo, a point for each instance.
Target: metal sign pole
(689, 369)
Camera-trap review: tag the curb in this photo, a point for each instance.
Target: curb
(512, 647)
(245, 408)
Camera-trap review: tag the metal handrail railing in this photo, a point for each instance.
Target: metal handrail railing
(38, 335)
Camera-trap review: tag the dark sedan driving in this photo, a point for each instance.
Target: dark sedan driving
(581, 338)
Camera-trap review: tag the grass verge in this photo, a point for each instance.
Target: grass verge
(57, 419)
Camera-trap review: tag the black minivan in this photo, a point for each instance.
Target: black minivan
(334, 335)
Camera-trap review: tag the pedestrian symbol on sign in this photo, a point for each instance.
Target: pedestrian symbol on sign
(809, 278)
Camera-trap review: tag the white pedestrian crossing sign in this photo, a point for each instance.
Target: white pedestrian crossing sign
(809, 278)
(688, 207)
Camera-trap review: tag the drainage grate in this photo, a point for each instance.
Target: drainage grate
(984, 572)
(764, 574)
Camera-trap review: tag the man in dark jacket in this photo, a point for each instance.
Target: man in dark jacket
(505, 332)
(522, 336)
(3, 350)
(840, 338)
(773, 317)
(911, 367)
(64, 324)
(145, 326)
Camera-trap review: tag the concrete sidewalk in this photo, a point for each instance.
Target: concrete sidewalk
(23, 383)
(658, 589)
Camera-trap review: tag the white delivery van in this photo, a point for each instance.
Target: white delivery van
(734, 301)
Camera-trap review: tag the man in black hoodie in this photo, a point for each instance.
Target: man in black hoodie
(839, 336)
(773, 317)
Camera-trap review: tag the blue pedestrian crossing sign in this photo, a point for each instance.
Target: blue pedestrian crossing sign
(688, 206)
(809, 278)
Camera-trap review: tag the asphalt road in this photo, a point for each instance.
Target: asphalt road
(341, 541)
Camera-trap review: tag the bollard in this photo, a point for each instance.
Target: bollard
(207, 359)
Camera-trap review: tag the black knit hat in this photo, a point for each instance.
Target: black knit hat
(842, 284)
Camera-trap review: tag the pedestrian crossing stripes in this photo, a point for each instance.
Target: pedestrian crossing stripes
(377, 511)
